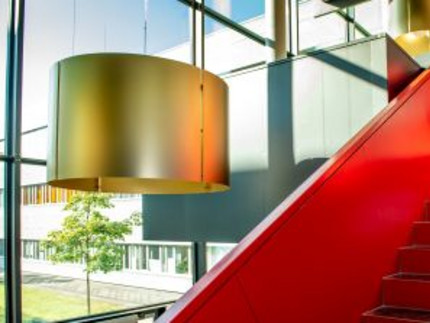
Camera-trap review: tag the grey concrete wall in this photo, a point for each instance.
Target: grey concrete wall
(285, 120)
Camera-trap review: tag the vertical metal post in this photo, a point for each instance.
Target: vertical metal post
(293, 27)
(193, 33)
(276, 21)
(350, 25)
(199, 260)
(202, 35)
(12, 203)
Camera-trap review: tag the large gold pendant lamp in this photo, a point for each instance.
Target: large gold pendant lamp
(137, 124)
(410, 25)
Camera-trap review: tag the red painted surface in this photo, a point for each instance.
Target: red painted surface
(415, 259)
(406, 295)
(320, 256)
(407, 292)
(422, 233)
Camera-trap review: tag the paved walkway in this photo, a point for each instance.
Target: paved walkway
(125, 295)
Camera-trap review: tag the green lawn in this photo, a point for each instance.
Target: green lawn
(41, 305)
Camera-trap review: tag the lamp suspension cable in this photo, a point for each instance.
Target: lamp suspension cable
(202, 80)
(158, 126)
(193, 33)
(74, 28)
(145, 26)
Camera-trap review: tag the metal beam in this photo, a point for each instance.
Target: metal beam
(350, 26)
(199, 260)
(30, 131)
(349, 19)
(12, 180)
(226, 21)
(293, 28)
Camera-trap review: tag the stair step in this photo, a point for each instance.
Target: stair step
(415, 259)
(421, 234)
(388, 314)
(407, 291)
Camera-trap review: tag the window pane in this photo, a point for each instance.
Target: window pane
(54, 278)
(373, 16)
(216, 251)
(319, 32)
(227, 50)
(250, 14)
(56, 29)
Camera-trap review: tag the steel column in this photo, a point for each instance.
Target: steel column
(12, 180)
(199, 260)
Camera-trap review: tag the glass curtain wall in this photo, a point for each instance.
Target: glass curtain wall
(150, 271)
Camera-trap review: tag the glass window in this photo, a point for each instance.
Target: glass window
(56, 290)
(55, 30)
(319, 32)
(249, 14)
(216, 251)
(373, 16)
(182, 260)
(227, 50)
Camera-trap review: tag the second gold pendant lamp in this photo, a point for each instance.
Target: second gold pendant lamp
(410, 25)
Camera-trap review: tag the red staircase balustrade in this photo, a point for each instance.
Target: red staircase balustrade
(320, 256)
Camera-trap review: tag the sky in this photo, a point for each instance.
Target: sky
(57, 29)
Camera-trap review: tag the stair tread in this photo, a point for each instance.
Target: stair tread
(416, 247)
(410, 276)
(401, 313)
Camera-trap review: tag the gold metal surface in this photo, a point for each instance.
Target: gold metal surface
(134, 123)
(410, 25)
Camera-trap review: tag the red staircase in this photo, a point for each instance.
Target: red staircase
(406, 295)
(320, 255)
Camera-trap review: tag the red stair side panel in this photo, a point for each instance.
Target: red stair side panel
(320, 256)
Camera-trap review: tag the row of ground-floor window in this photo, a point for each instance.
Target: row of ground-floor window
(154, 257)
(146, 256)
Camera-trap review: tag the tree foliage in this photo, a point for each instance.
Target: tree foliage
(90, 237)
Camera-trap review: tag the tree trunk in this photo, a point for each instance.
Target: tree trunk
(88, 293)
(87, 265)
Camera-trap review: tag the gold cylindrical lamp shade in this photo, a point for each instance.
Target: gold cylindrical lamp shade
(410, 25)
(129, 123)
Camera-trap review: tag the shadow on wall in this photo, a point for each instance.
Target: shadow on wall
(308, 109)
(227, 217)
(352, 69)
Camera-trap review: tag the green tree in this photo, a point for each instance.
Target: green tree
(90, 237)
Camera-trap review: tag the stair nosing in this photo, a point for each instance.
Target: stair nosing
(396, 277)
(371, 313)
(416, 247)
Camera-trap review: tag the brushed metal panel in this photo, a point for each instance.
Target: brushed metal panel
(133, 123)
